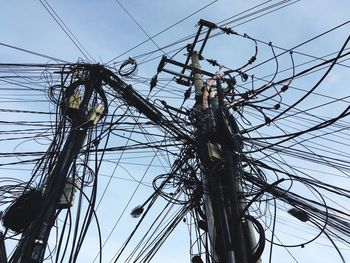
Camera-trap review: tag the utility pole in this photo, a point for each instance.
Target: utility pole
(219, 146)
(33, 243)
(80, 111)
(221, 177)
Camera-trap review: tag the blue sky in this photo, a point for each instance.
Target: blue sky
(106, 31)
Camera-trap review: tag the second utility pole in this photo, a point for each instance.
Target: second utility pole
(219, 145)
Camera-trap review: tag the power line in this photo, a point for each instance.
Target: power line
(162, 31)
(188, 37)
(144, 31)
(34, 53)
(66, 30)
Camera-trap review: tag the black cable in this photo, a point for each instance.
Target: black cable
(261, 242)
(162, 31)
(33, 53)
(139, 26)
(65, 29)
(312, 89)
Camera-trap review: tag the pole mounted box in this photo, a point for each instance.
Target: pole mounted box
(67, 198)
